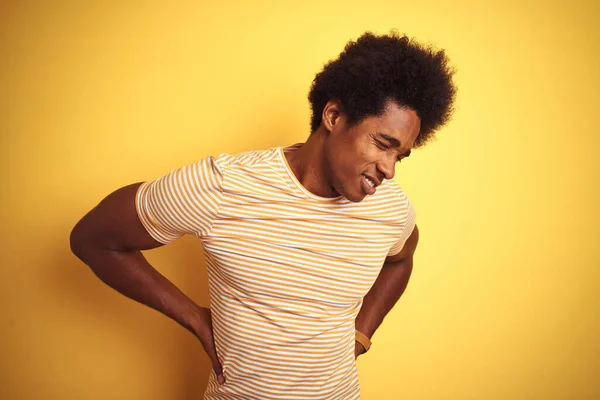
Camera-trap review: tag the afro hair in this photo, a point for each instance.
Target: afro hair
(376, 69)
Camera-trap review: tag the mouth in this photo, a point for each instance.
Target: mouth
(369, 184)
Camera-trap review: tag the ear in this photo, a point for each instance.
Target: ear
(332, 115)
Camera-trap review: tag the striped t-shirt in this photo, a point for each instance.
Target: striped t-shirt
(287, 269)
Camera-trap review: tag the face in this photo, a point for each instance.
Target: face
(360, 157)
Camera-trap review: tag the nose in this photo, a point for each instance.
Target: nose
(387, 167)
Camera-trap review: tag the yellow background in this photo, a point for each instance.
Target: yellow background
(503, 300)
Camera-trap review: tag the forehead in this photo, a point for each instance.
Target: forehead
(401, 123)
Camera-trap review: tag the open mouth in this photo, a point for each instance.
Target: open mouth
(368, 184)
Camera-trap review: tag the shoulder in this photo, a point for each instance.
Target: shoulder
(403, 216)
(246, 159)
(392, 194)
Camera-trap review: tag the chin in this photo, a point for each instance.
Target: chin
(355, 197)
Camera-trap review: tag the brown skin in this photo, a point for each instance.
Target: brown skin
(336, 157)
(109, 239)
(387, 289)
(333, 162)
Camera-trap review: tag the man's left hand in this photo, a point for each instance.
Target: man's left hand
(358, 349)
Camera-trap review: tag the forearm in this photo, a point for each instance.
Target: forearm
(385, 292)
(129, 273)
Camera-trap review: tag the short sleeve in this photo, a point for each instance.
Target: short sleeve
(407, 230)
(184, 201)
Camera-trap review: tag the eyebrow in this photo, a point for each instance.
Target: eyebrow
(393, 142)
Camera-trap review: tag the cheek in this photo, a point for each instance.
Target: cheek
(366, 157)
(350, 156)
(353, 164)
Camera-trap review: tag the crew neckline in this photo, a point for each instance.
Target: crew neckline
(288, 168)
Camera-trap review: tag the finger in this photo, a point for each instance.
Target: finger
(219, 372)
(217, 367)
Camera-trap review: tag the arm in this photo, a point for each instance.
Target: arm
(109, 239)
(387, 289)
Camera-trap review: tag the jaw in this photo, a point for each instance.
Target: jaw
(354, 194)
(352, 188)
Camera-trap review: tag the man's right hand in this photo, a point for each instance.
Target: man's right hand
(203, 331)
(110, 238)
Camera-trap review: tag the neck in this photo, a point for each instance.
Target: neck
(308, 165)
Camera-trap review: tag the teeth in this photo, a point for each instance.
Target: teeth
(370, 182)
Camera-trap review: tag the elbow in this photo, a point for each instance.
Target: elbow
(88, 242)
(76, 241)
(80, 240)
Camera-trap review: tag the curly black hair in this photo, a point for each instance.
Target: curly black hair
(375, 69)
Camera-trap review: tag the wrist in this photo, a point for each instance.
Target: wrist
(359, 348)
(366, 323)
(362, 340)
(195, 320)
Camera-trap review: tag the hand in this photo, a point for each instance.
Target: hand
(203, 331)
(358, 349)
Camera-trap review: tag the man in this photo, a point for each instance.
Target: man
(308, 247)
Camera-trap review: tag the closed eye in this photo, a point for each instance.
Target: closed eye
(387, 146)
(381, 145)
(384, 146)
